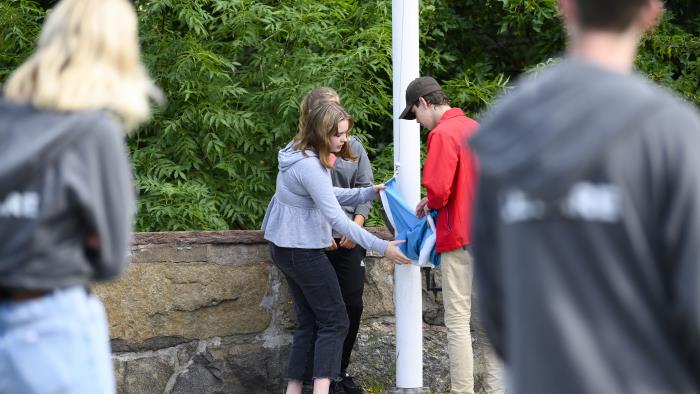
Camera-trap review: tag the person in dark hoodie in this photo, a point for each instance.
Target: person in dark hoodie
(587, 227)
(346, 256)
(66, 195)
(298, 223)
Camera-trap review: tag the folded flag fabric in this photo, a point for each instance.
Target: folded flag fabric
(419, 233)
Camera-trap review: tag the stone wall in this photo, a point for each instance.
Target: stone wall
(207, 312)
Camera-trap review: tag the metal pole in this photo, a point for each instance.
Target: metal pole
(407, 279)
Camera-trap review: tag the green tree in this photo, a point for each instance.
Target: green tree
(234, 71)
(18, 33)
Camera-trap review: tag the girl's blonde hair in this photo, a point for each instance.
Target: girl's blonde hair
(323, 121)
(312, 99)
(88, 57)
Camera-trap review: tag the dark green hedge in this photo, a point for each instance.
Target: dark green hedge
(234, 71)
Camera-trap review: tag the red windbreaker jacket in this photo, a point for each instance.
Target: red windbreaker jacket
(449, 176)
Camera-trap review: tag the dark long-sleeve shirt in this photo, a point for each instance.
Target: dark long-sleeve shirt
(351, 174)
(587, 234)
(64, 176)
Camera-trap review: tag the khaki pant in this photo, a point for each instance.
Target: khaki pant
(457, 277)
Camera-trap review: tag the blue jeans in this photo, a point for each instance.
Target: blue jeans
(55, 344)
(320, 310)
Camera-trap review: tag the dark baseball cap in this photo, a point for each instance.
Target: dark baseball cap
(419, 87)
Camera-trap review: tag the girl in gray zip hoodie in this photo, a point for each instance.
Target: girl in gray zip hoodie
(298, 224)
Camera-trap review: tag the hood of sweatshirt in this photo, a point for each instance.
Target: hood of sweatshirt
(548, 132)
(288, 156)
(30, 138)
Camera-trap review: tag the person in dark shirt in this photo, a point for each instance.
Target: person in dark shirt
(67, 198)
(587, 227)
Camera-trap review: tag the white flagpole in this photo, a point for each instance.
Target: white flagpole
(407, 280)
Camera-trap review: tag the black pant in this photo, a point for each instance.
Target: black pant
(323, 322)
(350, 274)
(351, 277)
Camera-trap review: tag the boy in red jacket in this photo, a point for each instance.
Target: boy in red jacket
(449, 175)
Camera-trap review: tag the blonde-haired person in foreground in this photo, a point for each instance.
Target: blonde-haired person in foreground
(298, 224)
(66, 195)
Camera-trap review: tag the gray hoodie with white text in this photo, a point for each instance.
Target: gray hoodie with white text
(63, 177)
(587, 234)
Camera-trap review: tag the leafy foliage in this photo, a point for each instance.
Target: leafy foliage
(235, 70)
(21, 24)
(670, 55)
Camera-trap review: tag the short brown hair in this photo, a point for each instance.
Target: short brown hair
(435, 99)
(322, 123)
(606, 15)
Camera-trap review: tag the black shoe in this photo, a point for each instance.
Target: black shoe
(350, 386)
(337, 388)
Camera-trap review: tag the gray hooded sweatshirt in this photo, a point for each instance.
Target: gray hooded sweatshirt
(354, 173)
(63, 175)
(587, 234)
(306, 206)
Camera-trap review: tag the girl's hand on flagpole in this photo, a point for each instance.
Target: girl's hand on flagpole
(393, 253)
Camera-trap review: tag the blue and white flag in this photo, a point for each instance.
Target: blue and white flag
(419, 233)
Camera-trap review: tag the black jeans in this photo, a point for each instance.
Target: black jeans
(318, 302)
(351, 277)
